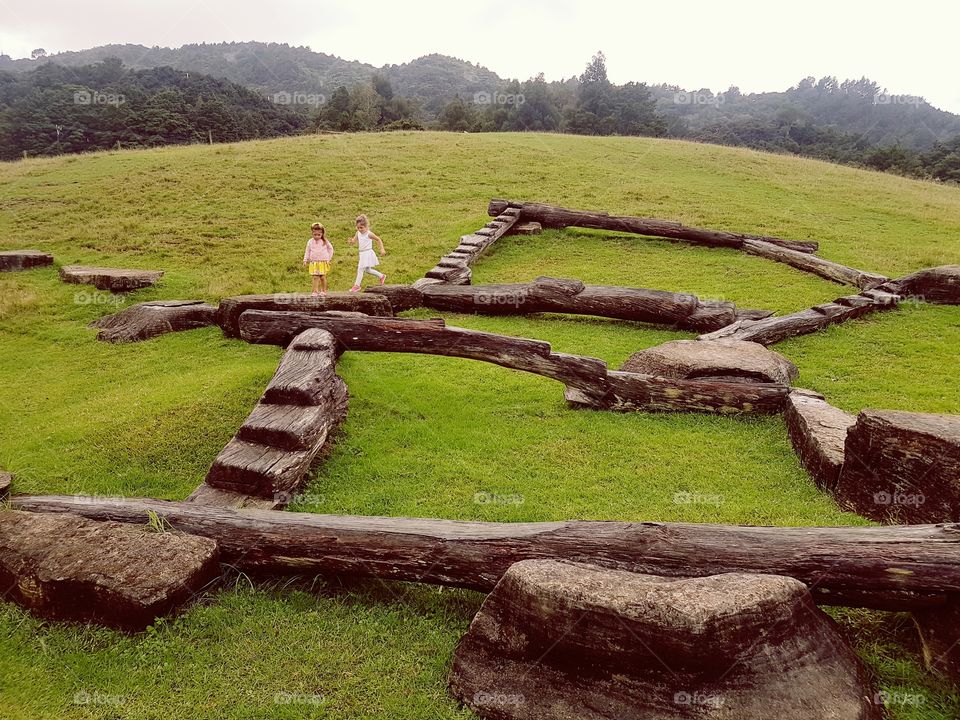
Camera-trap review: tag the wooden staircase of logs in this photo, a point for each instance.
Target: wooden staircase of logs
(265, 463)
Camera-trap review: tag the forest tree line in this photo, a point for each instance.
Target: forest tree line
(54, 109)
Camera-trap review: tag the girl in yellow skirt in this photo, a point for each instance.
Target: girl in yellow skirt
(317, 259)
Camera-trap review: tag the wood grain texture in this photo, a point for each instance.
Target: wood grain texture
(902, 567)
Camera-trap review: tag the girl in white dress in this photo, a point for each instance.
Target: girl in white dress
(367, 260)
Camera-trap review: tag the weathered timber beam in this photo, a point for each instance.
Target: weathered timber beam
(904, 567)
(558, 217)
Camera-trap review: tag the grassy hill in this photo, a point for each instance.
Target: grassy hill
(424, 434)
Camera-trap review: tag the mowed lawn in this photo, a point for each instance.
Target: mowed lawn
(425, 436)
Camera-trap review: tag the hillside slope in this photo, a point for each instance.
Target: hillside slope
(425, 436)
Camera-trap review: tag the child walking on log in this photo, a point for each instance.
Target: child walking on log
(367, 260)
(317, 258)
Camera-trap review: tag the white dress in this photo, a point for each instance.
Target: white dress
(368, 258)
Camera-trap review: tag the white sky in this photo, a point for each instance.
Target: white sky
(909, 48)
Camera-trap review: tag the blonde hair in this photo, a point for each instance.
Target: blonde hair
(363, 220)
(323, 232)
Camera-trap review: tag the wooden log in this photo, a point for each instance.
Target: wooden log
(811, 263)
(16, 260)
(6, 480)
(631, 392)
(774, 329)
(885, 567)
(432, 337)
(157, 317)
(66, 567)
(817, 431)
(934, 285)
(902, 467)
(304, 403)
(559, 640)
(572, 296)
(216, 497)
(401, 297)
(454, 275)
(232, 307)
(551, 216)
(112, 279)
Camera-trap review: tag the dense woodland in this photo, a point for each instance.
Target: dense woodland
(241, 91)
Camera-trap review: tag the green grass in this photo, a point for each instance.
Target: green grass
(425, 436)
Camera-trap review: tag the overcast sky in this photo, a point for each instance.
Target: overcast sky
(907, 47)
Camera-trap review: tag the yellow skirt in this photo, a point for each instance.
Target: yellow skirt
(319, 268)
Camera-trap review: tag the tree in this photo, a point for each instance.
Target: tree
(457, 116)
(38, 54)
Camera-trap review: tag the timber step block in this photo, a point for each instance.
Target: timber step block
(902, 467)
(526, 228)
(112, 279)
(65, 567)
(448, 262)
(289, 427)
(881, 298)
(218, 498)
(401, 297)
(854, 301)
(6, 480)
(734, 642)
(818, 432)
(150, 319)
(484, 232)
(256, 469)
(16, 260)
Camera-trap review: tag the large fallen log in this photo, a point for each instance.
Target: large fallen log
(232, 307)
(902, 567)
(826, 269)
(768, 331)
(545, 294)
(431, 337)
(551, 216)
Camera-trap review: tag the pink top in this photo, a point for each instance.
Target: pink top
(318, 251)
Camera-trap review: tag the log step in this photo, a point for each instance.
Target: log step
(15, 260)
(258, 469)
(289, 427)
